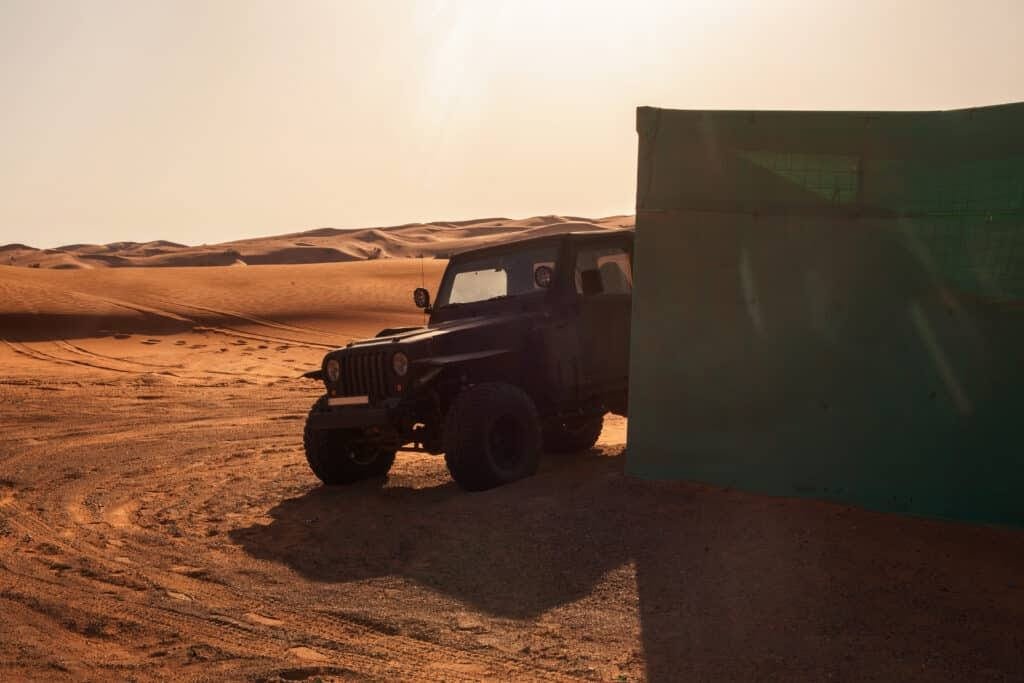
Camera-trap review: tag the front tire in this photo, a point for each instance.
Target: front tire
(337, 457)
(492, 436)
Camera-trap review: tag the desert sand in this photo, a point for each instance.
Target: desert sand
(158, 520)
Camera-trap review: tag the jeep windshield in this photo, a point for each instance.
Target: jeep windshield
(497, 276)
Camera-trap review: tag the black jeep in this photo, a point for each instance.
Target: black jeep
(526, 349)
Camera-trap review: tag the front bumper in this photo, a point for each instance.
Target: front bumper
(349, 417)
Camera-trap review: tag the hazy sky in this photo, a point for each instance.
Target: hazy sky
(214, 120)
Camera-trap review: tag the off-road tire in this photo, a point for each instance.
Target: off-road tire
(492, 436)
(331, 456)
(572, 436)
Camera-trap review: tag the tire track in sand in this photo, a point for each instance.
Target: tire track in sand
(94, 558)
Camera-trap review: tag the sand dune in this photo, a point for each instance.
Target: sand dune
(258, 324)
(321, 245)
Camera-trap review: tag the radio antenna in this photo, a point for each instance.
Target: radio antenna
(423, 284)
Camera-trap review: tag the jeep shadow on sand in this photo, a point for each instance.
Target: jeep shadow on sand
(526, 349)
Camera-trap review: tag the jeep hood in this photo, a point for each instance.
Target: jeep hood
(446, 329)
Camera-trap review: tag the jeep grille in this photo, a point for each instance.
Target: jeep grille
(363, 374)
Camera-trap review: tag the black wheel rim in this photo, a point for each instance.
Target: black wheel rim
(363, 455)
(575, 428)
(505, 441)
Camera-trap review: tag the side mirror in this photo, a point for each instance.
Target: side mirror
(542, 276)
(421, 297)
(591, 282)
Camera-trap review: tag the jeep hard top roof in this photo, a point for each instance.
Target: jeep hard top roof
(543, 239)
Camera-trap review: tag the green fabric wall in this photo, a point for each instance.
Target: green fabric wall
(831, 304)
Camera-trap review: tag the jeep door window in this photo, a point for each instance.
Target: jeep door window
(492, 277)
(613, 265)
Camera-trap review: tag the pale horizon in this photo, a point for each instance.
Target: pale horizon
(209, 122)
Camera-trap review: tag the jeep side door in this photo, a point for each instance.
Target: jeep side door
(603, 282)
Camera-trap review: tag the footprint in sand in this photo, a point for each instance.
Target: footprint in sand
(151, 341)
(190, 571)
(222, 350)
(261, 619)
(262, 346)
(122, 335)
(306, 654)
(197, 346)
(239, 342)
(180, 342)
(282, 348)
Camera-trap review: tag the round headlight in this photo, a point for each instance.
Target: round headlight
(400, 364)
(333, 370)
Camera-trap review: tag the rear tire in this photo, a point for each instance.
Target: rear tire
(572, 436)
(492, 436)
(336, 456)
